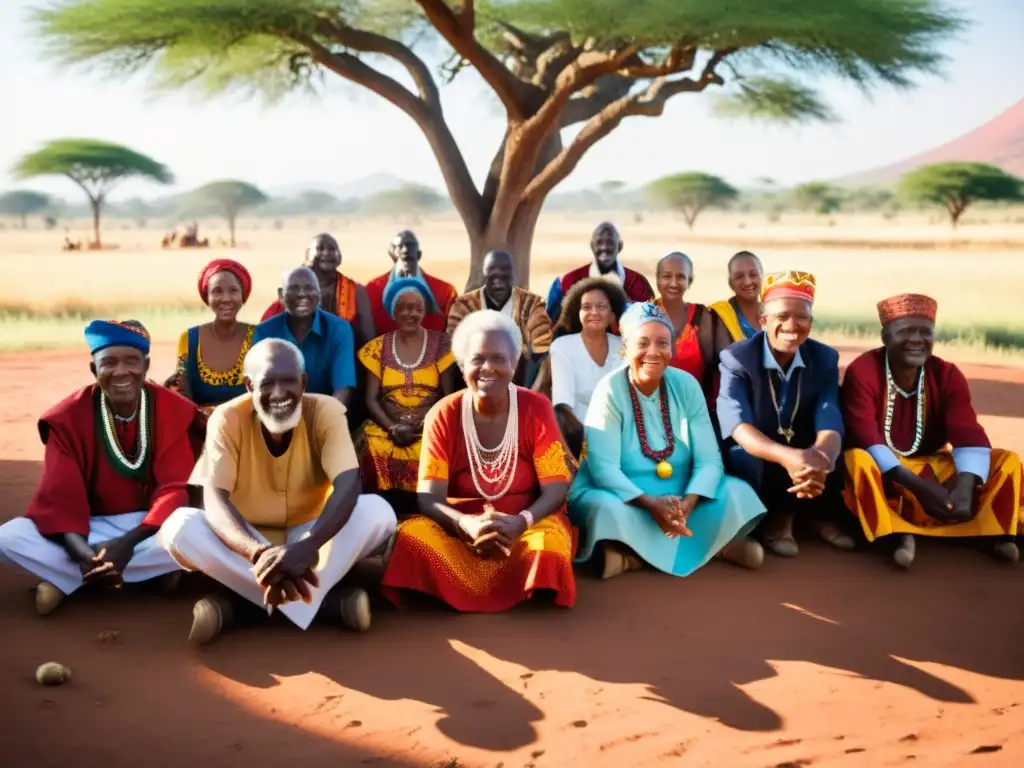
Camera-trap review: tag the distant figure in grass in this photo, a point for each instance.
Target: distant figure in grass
(741, 313)
(118, 454)
(919, 463)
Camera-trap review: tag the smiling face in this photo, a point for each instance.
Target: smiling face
(648, 350)
(490, 363)
(909, 341)
(745, 278)
(787, 322)
(499, 275)
(323, 255)
(300, 293)
(606, 244)
(120, 373)
(405, 252)
(596, 311)
(276, 381)
(410, 310)
(224, 295)
(674, 277)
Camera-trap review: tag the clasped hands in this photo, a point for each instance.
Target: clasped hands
(492, 533)
(108, 563)
(406, 431)
(948, 506)
(286, 572)
(671, 513)
(808, 469)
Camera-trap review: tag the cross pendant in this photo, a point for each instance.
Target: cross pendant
(788, 434)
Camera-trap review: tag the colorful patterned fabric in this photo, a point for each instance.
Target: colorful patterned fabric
(384, 465)
(224, 265)
(639, 315)
(527, 312)
(345, 291)
(788, 285)
(208, 388)
(735, 322)
(100, 334)
(688, 355)
(427, 559)
(907, 305)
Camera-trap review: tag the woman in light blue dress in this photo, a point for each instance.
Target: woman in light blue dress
(651, 486)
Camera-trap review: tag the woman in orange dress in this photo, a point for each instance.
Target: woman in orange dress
(491, 527)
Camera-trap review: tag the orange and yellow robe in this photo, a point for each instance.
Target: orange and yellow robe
(526, 310)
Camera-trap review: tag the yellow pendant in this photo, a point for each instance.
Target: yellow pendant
(664, 470)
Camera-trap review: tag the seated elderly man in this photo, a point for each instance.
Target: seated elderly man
(778, 411)
(326, 341)
(117, 459)
(918, 460)
(500, 293)
(283, 520)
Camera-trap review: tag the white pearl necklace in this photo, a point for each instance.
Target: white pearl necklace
(111, 435)
(891, 388)
(495, 465)
(398, 360)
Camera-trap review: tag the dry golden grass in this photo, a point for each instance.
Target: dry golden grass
(975, 273)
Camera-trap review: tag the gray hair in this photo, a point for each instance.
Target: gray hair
(485, 321)
(252, 367)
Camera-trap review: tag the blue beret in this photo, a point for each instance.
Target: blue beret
(100, 334)
(400, 285)
(639, 315)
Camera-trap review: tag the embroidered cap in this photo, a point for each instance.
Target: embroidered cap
(907, 305)
(100, 334)
(640, 314)
(788, 285)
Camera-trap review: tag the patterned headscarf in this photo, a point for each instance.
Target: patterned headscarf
(224, 265)
(401, 285)
(100, 334)
(640, 314)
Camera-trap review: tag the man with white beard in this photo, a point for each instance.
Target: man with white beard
(283, 521)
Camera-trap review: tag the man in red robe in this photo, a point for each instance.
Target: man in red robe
(917, 460)
(606, 244)
(118, 455)
(406, 254)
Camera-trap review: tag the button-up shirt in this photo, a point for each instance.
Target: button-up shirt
(328, 350)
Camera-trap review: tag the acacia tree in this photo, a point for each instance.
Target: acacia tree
(817, 197)
(95, 166)
(228, 198)
(956, 185)
(411, 199)
(691, 193)
(574, 66)
(22, 203)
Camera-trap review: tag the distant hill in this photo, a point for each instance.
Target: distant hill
(999, 142)
(358, 189)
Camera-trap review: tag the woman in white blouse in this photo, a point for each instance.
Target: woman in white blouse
(584, 350)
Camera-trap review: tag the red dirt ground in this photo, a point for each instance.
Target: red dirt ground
(831, 659)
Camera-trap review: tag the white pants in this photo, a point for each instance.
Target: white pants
(194, 545)
(23, 545)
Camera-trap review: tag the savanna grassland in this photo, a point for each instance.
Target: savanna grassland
(976, 272)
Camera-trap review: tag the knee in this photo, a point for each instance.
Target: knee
(17, 533)
(741, 464)
(180, 526)
(373, 511)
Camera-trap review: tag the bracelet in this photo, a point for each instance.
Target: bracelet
(527, 515)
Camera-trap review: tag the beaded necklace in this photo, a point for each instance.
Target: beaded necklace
(132, 468)
(495, 465)
(891, 389)
(664, 469)
(788, 433)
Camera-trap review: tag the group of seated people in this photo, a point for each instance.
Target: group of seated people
(486, 442)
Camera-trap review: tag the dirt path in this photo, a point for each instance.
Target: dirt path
(826, 660)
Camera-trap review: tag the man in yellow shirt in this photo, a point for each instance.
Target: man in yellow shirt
(283, 521)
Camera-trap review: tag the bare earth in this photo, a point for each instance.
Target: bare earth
(831, 659)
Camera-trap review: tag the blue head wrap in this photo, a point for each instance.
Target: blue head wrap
(640, 314)
(399, 286)
(100, 334)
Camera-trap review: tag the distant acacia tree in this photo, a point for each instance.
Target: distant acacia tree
(95, 166)
(691, 193)
(611, 187)
(956, 185)
(817, 197)
(228, 198)
(23, 203)
(410, 199)
(566, 73)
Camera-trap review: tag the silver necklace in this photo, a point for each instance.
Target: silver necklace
(398, 360)
(111, 435)
(891, 389)
(495, 465)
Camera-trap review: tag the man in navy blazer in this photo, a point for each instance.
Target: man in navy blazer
(779, 416)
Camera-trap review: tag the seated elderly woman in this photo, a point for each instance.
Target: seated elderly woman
(741, 313)
(584, 351)
(409, 370)
(491, 526)
(651, 481)
(209, 369)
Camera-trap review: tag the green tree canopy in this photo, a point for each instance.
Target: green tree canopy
(691, 193)
(22, 203)
(575, 66)
(956, 185)
(817, 197)
(228, 198)
(95, 166)
(410, 199)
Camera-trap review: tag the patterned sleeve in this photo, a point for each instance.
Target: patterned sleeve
(370, 356)
(548, 450)
(538, 329)
(435, 453)
(445, 358)
(181, 367)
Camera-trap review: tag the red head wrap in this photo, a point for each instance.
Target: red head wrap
(224, 265)
(788, 285)
(907, 305)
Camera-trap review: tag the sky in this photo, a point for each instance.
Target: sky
(347, 134)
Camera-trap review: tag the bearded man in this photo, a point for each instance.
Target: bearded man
(918, 462)
(117, 459)
(282, 520)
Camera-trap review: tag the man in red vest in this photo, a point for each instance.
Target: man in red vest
(606, 245)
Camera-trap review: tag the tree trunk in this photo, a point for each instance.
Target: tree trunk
(517, 240)
(24, 221)
(231, 228)
(96, 202)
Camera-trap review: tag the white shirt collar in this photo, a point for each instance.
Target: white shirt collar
(619, 270)
(771, 363)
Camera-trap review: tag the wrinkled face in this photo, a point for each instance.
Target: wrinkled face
(605, 246)
(788, 324)
(490, 363)
(120, 373)
(745, 279)
(909, 341)
(323, 255)
(499, 275)
(277, 386)
(596, 311)
(409, 310)
(405, 252)
(300, 293)
(648, 351)
(224, 295)
(674, 276)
